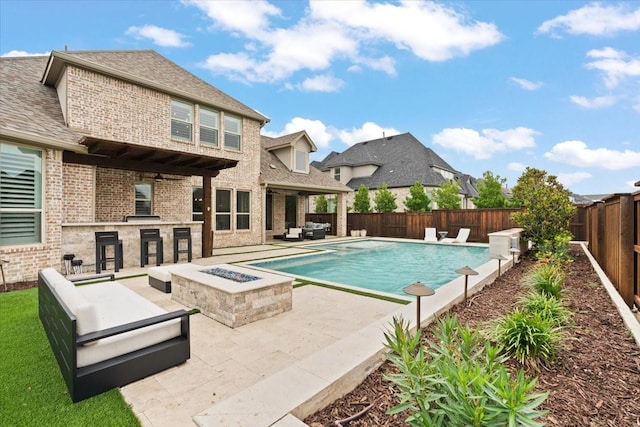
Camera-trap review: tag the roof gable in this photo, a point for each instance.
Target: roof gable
(274, 143)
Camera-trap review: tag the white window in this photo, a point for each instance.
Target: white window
(232, 132)
(223, 209)
(208, 127)
(143, 199)
(301, 161)
(181, 121)
(20, 195)
(243, 210)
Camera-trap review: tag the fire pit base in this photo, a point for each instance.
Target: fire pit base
(230, 294)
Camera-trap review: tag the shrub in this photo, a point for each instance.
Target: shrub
(547, 279)
(547, 307)
(529, 337)
(458, 379)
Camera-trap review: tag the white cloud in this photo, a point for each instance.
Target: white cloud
(484, 144)
(613, 65)
(568, 179)
(367, 132)
(317, 131)
(595, 19)
(18, 53)
(331, 31)
(577, 153)
(323, 83)
(593, 103)
(515, 166)
(527, 84)
(158, 35)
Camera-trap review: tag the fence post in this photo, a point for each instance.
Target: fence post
(600, 236)
(627, 230)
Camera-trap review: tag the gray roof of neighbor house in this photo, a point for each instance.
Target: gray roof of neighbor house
(276, 174)
(401, 159)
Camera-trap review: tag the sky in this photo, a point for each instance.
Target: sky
(488, 85)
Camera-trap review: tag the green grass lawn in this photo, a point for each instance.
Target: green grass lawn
(32, 390)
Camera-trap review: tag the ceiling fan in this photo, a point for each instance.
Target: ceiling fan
(159, 178)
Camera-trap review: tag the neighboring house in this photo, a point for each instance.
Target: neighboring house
(399, 161)
(122, 141)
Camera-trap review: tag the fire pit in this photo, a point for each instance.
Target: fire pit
(232, 295)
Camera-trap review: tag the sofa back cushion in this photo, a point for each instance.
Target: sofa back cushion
(86, 318)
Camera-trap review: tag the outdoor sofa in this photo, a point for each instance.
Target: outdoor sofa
(104, 335)
(293, 234)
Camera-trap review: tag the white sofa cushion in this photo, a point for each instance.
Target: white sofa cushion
(116, 305)
(82, 309)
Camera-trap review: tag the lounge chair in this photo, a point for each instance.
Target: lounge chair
(294, 233)
(463, 235)
(430, 234)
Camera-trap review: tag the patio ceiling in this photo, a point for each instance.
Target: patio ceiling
(121, 155)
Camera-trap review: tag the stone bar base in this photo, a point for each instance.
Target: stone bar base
(232, 303)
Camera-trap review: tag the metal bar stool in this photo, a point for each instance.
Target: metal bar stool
(147, 236)
(183, 233)
(103, 240)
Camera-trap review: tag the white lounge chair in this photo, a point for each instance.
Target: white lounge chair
(463, 235)
(294, 233)
(430, 234)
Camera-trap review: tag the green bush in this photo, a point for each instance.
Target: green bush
(458, 379)
(530, 337)
(547, 307)
(547, 279)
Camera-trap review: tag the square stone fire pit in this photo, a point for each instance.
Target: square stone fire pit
(230, 294)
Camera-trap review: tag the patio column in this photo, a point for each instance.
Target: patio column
(341, 215)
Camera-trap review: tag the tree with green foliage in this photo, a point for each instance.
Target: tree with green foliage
(417, 200)
(447, 195)
(322, 206)
(385, 200)
(547, 208)
(490, 193)
(361, 203)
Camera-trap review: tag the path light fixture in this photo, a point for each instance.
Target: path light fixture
(514, 251)
(500, 258)
(467, 271)
(418, 290)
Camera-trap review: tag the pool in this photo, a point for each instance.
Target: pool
(386, 266)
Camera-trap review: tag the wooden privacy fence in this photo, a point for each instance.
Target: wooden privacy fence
(613, 233)
(411, 225)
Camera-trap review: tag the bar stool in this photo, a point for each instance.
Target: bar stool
(147, 236)
(104, 239)
(181, 234)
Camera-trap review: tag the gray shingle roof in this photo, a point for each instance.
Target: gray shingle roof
(26, 105)
(402, 161)
(149, 66)
(275, 173)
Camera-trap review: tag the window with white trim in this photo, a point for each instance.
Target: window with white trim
(223, 209)
(208, 127)
(336, 174)
(20, 195)
(301, 161)
(143, 198)
(243, 210)
(232, 132)
(181, 121)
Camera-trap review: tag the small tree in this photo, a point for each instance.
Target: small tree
(361, 202)
(322, 206)
(417, 200)
(385, 200)
(547, 208)
(490, 193)
(447, 196)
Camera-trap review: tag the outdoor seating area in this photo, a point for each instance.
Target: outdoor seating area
(104, 335)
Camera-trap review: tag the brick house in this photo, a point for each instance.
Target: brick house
(126, 140)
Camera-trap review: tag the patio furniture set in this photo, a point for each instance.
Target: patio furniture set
(311, 230)
(430, 236)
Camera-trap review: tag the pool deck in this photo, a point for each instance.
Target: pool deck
(279, 370)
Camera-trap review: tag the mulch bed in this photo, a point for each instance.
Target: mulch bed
(594, 381)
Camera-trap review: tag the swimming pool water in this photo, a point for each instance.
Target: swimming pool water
(386, 266)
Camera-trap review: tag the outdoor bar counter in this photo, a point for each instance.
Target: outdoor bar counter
(79, 239)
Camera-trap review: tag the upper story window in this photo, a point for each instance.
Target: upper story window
(336, 174)
(209, 127)
(20, 195)
(181, 121)
(232, 132)
(301, 161)
(143, 199)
